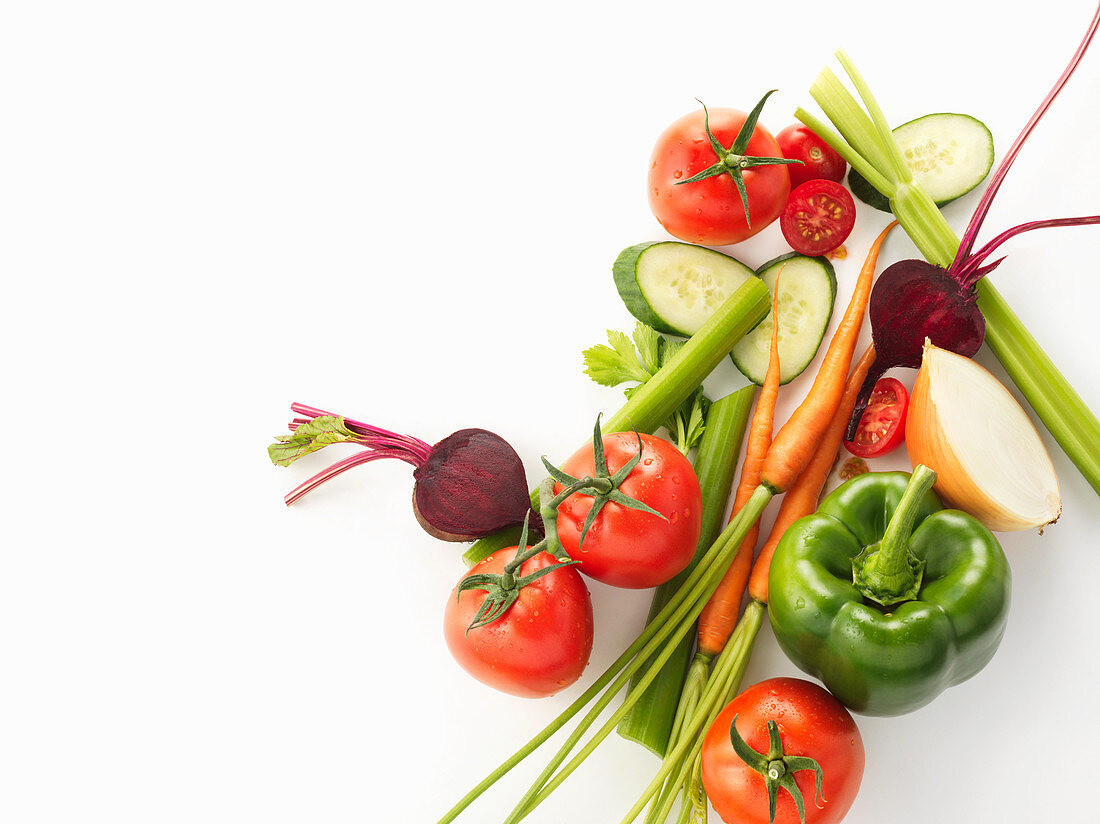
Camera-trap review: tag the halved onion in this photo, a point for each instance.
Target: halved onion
(989, 459)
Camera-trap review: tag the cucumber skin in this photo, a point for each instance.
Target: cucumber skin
(829, 270)
(626, 281)
(864, 191)
(624, 270)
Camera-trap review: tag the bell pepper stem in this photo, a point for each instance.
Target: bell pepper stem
(888, 572)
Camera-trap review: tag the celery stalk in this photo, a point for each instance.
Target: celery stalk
(1072, 424)
(654, 401)
(649, 721)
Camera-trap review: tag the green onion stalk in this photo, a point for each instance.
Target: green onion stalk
(650, 650)
(863, 137)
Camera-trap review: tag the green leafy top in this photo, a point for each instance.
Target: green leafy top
(635, 359)
(309, 437)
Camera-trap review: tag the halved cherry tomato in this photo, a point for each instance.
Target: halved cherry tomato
(882, 427)
(819, 217)
(820, 161)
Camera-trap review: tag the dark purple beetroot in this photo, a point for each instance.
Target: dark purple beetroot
(469, 485)
(913, 300)
(472, 484)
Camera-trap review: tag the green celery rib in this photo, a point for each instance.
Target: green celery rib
(850, 120)
(653, 402)
(1058, 406)
(853, 158)
(649, 721)
(902, 174)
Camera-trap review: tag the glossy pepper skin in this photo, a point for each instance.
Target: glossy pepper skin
(888, 660)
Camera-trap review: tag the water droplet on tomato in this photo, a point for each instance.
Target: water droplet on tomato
(677, 174)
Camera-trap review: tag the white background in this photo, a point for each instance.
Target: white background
(213, 209)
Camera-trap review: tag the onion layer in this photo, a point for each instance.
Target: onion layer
(987, 454)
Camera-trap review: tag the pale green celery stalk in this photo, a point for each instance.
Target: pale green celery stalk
(652, 403)
(1059, 407)
(1065, 415)
(853, 158)
(649, 721)
(683, 609)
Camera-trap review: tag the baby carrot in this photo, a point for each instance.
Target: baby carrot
(801, 499)
(799, 437)
(720, 614)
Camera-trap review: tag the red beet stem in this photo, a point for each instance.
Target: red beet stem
(976, 219)
(971, 271)
(331, 472)
(384, 437)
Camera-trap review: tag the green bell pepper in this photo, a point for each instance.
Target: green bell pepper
(887, 597)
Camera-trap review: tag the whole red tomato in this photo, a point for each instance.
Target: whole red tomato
(820, 161)
(627, 547)
(882, 426)
(811, 723)
(540, 645)
(710, 211)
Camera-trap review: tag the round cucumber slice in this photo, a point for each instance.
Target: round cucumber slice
(675, 287)
(949, 154)
(807, 291)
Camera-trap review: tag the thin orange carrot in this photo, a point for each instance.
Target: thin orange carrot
(719, 616)
(802, 498)
(799, 437)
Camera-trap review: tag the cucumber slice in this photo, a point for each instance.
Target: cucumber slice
(807, 294)
(675, 287)
(949, 154)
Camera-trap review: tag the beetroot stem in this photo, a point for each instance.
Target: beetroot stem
(344, 465)
(418, 447)
(976, 219)
(971, 272)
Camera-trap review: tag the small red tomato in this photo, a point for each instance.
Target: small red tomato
(540, 645)
(710, 211)
(819, 217)
(882, 426)
(627, 547)
(810, 723)
(820, 161)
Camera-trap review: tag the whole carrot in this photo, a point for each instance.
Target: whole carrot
(720, 614)
(799, 437)
(801, 499)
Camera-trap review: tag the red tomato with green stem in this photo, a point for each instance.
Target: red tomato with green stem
(818, 217)
(790, 732)
(540, 644)
(819, 160)
(882, 426)
(625, 546)
(698, 166)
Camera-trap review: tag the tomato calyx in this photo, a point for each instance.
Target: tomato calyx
(502, 590)
(777, 768)
(601, 487)
(733, 161)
